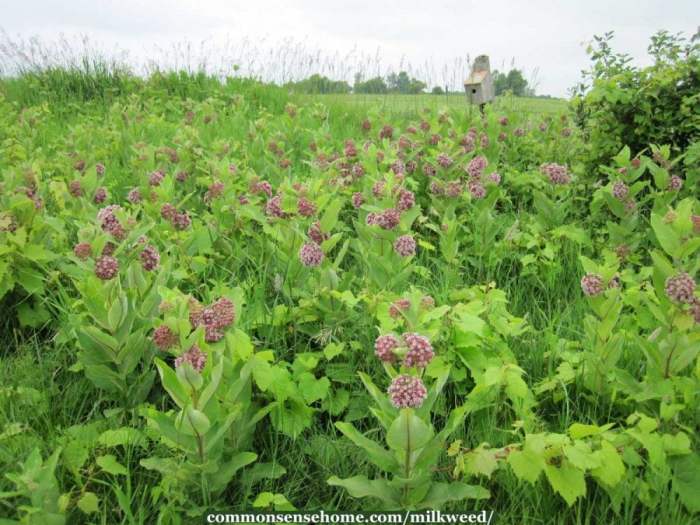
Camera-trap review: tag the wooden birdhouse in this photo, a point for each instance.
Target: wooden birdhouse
(479, 85)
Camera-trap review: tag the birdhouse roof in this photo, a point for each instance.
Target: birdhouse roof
(477, 77)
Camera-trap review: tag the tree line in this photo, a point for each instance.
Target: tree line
(403, 83)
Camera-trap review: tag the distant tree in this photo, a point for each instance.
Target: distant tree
(374, 85)
(403, 83)
(513, 81)
(317, 84)
(437, 90)
(516, 82)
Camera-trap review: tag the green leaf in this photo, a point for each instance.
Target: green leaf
(109, 464)
(612, 468)
(481, 460)
(227, 470)
(666, 235)
(567, 480)
(330, 215)
(529, 462)
(441, 493)
(375, 452)
(124, 436)
(313, 389)
(408, 432)
(686, 480)
(172, 384)
(89, 503)
(333, 349)
(361, 487)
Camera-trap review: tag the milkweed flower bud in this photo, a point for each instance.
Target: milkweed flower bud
(357, 199)
(150, 258)
(557, 173)
(406, 200)
(316, 234)
(181, 221)
(75, 188)
(680, 288)
(384, 347)
(420, 351)
(134, 196)
(389, 219)
(106, 267)
(398, 306)
(164, 338)
(620, 190)
(100, 169)
(407, 392)
(405, 246)
(592, 284)
(82, 250)
(100, 195)
(155, 178)
(675, 183)
(306, 208)
(311, 255)
(194, 357)
(224, 313)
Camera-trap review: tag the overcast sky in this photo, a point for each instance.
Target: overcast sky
(293, 37)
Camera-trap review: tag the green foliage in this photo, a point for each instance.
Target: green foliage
(618, 104)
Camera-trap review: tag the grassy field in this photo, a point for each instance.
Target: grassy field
(212, 342)
(454, 101)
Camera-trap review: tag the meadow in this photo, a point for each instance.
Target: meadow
(220, 296)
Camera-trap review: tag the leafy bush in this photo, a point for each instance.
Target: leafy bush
(619, 104)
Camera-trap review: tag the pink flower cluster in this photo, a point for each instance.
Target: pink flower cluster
(193, 357)
(150, 258)
(557, 173)
(387, 220)
(680, 288)
(305, 207)
(109, 222)
(592, 284)
(407, 392)
(106, 267)
(164, 338)
(420, 351)
(82, 250)
(357, 199)
(406, 200)
(213, 318)
(405, 246)
(620, 190)
(384, 347)
(311, 255)
(316, 234)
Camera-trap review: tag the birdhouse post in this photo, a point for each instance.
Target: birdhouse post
(479, 86)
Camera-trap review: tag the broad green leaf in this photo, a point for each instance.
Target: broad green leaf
(567, 480)
(361, 487)
(408, 432)
(89, 503)
(109, 464)
(375, 452)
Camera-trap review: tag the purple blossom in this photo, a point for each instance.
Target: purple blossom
(194, 357)
(420, 351)
(407, 392)
(592, 284)
(680, 288)
(311, 255)
(405, 246)
(384, 347)
(106, 267)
